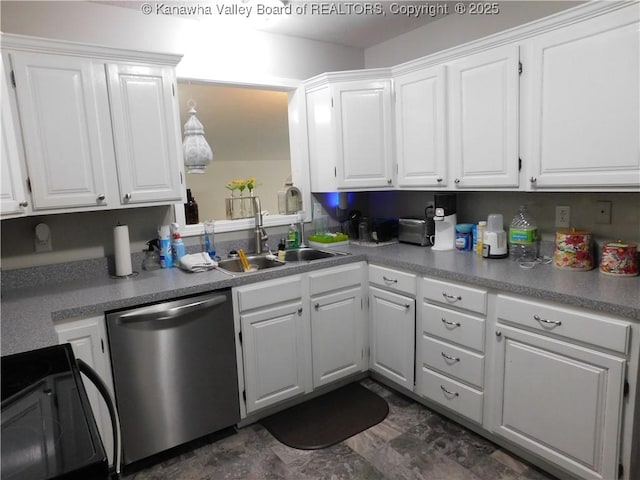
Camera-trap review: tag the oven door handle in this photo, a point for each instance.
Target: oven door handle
(154, 313)
(93, 376)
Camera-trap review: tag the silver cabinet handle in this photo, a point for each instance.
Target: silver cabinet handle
(449, 357)
(533, 179)
(548, 322)
(300, 311)
(389, 280)
(449, 322)
(451, 298)
(498, 333)
(453, 394)
(457, 180)
(23, 204)
(317, 306)
(127, 196)
(439, 179)
(101, 197)
(389, 181)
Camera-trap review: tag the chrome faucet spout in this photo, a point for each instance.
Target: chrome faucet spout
(260, 235)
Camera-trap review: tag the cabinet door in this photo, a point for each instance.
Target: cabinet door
(559, 401)
(275, 354)
(585, 103)
(66, 128)
(362, 113)
(392, 336)
(13, 200)
(88, 340)
(421, 150)
(321, 136)
(146, 133)
(483, 121)
(337, 336)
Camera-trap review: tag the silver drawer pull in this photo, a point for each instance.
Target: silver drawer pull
(389, 280)
(449, 357)
(453, 394)
(449, 322)
(407, 306)
(548, 322)
(451, 298)
(300, 311)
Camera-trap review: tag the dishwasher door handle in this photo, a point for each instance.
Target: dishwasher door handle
(153, 314)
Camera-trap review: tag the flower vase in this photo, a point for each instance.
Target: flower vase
(233, 206)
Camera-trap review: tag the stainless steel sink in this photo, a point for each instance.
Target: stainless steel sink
(262, 261)
(259, 262)
(307, 254)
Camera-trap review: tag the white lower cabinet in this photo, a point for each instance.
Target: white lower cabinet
(299, 332)
(88, 339)
(559, 399)
(392, 321)
(274, 329)
(338, 327)
(450, 343)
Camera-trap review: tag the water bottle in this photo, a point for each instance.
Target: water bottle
(523, 236)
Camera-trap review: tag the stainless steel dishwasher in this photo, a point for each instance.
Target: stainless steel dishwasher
(174, 371)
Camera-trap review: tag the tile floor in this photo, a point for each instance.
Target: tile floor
(412, 443)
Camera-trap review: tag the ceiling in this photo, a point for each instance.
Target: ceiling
(360, 24)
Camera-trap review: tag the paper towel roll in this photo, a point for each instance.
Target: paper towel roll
(123, 250)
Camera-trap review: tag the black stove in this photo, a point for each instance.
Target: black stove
(48, 429)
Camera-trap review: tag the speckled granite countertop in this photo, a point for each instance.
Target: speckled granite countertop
(28, 314)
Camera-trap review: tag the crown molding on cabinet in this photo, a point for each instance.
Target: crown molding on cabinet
(10, 41)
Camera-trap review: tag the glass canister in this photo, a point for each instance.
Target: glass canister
(619, 258)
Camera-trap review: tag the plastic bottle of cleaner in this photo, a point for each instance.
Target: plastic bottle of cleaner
(281, 249)
(177, 245)
(523, 236)
(166, 255)
(480, 229)
(209, 246)
(293, 237)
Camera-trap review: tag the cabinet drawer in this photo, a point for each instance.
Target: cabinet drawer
(336, 278)
(452, 326)
(269, 293)
(455, 295)
(599, 330)
(452, 361)
(393, 279)
(463, 400)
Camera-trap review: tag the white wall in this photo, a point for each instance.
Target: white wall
(221, 50)
(457, 29)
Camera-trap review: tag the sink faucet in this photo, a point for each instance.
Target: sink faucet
(260, 235)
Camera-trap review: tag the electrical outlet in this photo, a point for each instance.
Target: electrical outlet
(563, 216)
(603, 212)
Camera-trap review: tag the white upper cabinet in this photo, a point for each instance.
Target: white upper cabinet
(100, 127)
(66, 128)
(350, 130)
(145, 127)
(13, 200)
(483, 118)
(420, 121)
(364, 134)
(584, 104)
